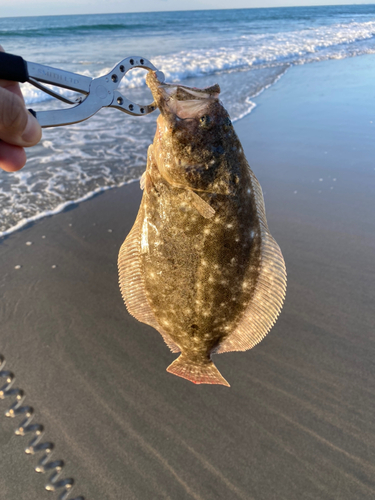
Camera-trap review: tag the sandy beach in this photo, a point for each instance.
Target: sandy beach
(298, 420)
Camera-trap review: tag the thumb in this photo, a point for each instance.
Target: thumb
(17, 125)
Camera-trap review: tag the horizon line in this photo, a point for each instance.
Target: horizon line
(192, 10)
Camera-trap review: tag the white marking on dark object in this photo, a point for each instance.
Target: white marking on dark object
(225, 282)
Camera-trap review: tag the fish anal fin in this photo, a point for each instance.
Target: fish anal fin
(198, 373)
(132, 285)
(200, 205)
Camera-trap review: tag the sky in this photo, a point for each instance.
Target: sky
(10, 8)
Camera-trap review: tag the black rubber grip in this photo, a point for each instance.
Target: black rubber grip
(13, 68)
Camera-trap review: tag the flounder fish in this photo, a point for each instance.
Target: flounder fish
(200, 265)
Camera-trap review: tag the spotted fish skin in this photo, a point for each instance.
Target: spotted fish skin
(200, 265)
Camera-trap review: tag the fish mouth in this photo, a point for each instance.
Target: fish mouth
(178, 101)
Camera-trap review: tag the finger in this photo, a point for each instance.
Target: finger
(12, 158)
(17, 125)
(12, 87)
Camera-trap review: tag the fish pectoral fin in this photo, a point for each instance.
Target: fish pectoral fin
(198, 373)
(146, 182)
(143, 180)
(200, 205)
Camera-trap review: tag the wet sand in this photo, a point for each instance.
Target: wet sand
(298, 421)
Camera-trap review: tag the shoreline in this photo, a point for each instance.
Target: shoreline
(297, 422)
(253, 104)
(66, 204)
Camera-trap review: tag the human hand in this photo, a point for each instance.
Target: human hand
(18, 127)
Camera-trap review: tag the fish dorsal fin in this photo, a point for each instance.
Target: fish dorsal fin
(199, 204)
(131, 281)
(266, 303)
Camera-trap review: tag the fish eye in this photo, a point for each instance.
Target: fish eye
(227, 122)
(205, 120)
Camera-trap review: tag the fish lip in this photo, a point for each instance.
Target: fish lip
(163, 101)
(160, 95)
(158, 92)
(166, 96)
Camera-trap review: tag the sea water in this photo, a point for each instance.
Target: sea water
(246, 51)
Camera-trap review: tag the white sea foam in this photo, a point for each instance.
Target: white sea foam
(74, 163)
(59, 208)
(252, 50)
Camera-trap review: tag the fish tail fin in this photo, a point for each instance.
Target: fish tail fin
(198, 373)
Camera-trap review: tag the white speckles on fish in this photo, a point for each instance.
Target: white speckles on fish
(200, 264)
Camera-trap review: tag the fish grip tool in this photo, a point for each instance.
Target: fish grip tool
(45, 465)
(99, 92)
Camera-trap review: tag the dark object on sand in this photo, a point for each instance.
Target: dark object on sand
(199, 264)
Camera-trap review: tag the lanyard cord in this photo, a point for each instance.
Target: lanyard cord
(34, 446)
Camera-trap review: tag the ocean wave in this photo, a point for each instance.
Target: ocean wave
(296, 45)
(244, 51)
(252, 50)
(73, 163)
(55, 31)
(59, 208)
